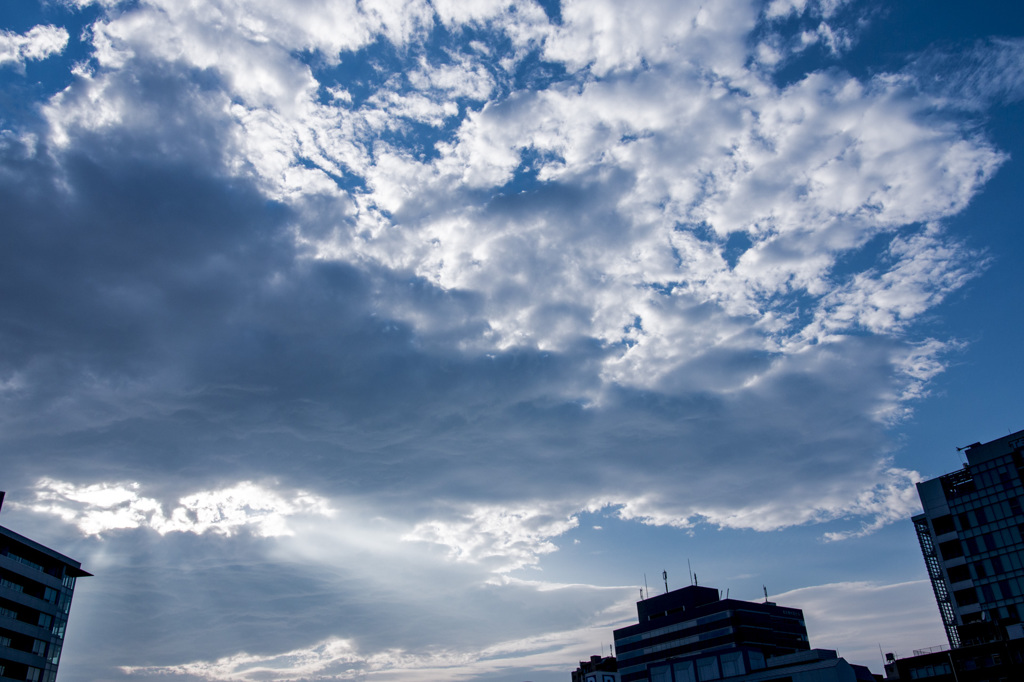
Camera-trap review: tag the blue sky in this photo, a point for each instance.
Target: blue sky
(398, 340)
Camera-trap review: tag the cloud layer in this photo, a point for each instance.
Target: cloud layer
(450, 276)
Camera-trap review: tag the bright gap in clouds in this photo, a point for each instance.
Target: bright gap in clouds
(334, 330)
(100, 508)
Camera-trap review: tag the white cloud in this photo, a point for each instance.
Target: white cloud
(859, 617)
(501, 538)
(889, 496)
(989, 72)
(809, 174)
(460, 78)
(340, 659)
(606, 36)
(659, 174)
(39, 42)
(925, 268)
(105, 507)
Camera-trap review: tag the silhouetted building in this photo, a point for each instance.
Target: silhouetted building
(814, 665)
(988, 662)
(597, 669)
(972, 537)
(36, 584)
(693, 629)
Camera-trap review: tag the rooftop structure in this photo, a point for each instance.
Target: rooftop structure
(696, 620)
(597, 669)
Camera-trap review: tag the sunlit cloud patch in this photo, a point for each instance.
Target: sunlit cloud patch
(100, 508)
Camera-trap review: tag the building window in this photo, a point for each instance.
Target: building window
(24, 562)
(951, 549)
(4, 582)
(959, 573)
(966, 597)
(943, 524)
(987, 593)
(684, 672)
(707, 669)
(661, 674)
(732, 664)
(756, 659)
(930, 671)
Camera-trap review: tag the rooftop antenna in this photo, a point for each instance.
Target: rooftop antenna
(765, 593)
(694, 578)
(689, 570)
(647, 589)
(664, 576)
(727, 593)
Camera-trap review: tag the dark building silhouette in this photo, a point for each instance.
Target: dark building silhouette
(597, 669)
(972, 537)
(36, 584)
(989, 662)
(737, 636)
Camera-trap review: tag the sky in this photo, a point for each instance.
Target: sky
(404, 340)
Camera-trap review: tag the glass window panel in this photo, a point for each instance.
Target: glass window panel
(684, 672)
(661, 674)
(732, 664)
(707, 669)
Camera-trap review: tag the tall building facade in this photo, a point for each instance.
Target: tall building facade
(972, 537)
(36, 584)
(736, 636)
